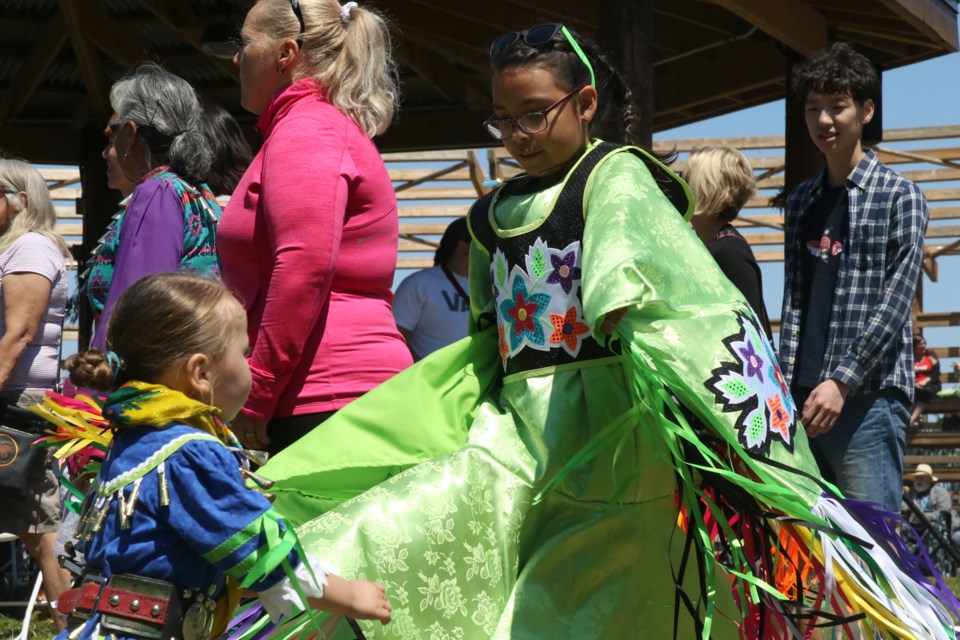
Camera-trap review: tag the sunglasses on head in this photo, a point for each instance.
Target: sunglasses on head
(295, 5)
(537, 37)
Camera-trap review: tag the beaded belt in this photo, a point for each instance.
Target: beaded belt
(129, 605)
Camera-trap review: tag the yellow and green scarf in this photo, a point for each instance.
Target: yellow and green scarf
(138, 404)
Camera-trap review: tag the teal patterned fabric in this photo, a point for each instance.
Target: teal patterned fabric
(201, 213)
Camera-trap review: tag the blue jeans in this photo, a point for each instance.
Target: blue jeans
(863, 453)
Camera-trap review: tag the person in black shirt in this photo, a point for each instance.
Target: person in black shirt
(721, 180)
(853, 247)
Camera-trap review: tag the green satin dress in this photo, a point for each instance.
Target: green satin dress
(545, 505)
(462, 543)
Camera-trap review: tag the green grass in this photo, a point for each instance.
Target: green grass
(954, 584)
(41, 627)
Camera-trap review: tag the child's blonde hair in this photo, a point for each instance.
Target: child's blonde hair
(33, 214)
(721, 180)
(160, 320)
(349, 54)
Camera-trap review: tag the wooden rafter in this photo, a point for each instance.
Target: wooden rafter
(421, 129)
(440, 73)
(472, 35)
(790, 21)
(906, 40)
(693, 19)
(50, 145)
(86, 58)
(932, 19)
(675, 88)
(35, 65)
(483, 13)
(179, 15)
(109, 36)
(450, 49)
(919, 157)
(582, 16)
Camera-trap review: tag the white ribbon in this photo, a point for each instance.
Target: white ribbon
(345, 11)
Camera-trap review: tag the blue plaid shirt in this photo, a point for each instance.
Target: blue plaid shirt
(869, 346)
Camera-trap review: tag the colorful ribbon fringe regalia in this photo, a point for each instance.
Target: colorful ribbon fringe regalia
(668, 494)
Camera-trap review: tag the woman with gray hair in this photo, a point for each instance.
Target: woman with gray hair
(169, 221)
(33, 296)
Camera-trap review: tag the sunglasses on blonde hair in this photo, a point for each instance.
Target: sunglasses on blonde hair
(295, 5)
(537, 37)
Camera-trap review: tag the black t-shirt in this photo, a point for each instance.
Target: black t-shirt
(735, 258)
(823, 232)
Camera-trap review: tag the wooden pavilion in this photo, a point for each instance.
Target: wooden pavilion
(701, 57)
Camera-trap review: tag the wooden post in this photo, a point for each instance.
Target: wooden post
(917, 307)
(802, 160)
(873, 130)
(97, 206)
(626, 30)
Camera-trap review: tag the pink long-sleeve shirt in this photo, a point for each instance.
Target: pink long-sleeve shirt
(309, 242)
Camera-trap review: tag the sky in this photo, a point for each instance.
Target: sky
(924, 94)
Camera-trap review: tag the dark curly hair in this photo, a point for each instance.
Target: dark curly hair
(618, 117)
(839, 69)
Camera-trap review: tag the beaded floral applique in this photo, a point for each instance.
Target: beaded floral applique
(538, 303)
(752, 385)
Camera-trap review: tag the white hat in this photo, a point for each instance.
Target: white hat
(924, 470)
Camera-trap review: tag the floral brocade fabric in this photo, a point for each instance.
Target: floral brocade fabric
(467, 547)
(564, 504)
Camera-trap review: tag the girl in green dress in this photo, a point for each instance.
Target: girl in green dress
(614, 444)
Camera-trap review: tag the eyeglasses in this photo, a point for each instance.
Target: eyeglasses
(533, 122)
(111, 129)
(295, 5)
(537, 37)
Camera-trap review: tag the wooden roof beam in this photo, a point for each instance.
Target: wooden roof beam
(43, 145)
(441, 74)
(865, 37)
(484, 13)
(792, 22)
(179, 15)
(935, 20)
(675, 90)
(696, 20)
(451, 50)
(86, 58)
(470, 34)
(35, 66)
(109, 36)
(579, 15)
(417, 129)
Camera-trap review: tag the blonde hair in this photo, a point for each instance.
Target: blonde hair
(721, 180)
(351, 59)
(34, 214)
(161, 319)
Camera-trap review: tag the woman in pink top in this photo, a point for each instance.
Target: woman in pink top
(309, 239)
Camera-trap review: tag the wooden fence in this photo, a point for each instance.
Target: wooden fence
(434, 187)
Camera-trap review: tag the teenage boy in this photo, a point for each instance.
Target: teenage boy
(853, 247)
